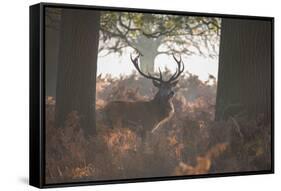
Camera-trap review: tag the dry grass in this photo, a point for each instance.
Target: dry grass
(190, 143)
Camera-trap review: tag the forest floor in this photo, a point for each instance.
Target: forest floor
(190, 143)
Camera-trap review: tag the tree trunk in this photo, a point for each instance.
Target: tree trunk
(76, 76)
(244, 79)
(148, 47)
(147, 62)
(51, 60)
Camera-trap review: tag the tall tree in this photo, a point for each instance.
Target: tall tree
(148, 34)
(155, 34)
(52, 35)
(77, 64)
(244, 79)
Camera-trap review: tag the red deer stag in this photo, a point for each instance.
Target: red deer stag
(145, 116)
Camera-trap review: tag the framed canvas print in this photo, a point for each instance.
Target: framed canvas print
(126, 95)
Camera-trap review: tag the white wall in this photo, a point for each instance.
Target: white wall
(14, 86)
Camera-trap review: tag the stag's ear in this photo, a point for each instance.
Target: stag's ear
(174, 83)
(156, 84)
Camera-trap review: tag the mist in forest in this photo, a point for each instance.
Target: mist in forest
(139, 95)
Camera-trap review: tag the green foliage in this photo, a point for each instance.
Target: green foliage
(173, 33)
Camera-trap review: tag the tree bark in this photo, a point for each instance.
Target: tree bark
(244, 79)
(51, 59)
(147, 62)
(148, 47)
(76, 76)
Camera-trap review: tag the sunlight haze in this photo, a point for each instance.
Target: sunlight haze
(121, 65)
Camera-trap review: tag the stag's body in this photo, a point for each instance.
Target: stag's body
(145, 116)
(142, 116)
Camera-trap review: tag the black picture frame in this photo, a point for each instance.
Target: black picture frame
(37, 92)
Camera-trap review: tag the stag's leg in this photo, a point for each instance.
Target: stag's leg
(118, 123)
(107, 120)
(109, 124)
(143, 137)
(146, 143)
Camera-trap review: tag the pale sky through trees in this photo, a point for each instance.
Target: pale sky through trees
(195, 38)
(117, 65)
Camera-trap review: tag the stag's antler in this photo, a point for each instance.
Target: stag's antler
(136, 64)
(179, 70)
(174, 77)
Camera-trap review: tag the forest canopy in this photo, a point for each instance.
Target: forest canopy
(176, 33)
(151, 35)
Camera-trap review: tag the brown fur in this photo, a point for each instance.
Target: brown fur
(141, 116)
(144, 116)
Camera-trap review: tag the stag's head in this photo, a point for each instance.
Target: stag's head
(165, 87)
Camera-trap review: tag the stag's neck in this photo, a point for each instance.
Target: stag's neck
(162, 101)
(165, 106)
(165, 111)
